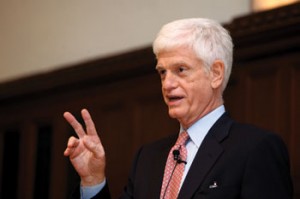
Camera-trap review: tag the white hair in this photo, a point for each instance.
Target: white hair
(209, 40)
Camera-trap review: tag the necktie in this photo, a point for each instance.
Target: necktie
(174, 169)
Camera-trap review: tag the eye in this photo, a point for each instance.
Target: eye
(161, 72)
(181, 69)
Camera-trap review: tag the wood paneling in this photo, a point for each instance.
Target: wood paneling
(295, 126)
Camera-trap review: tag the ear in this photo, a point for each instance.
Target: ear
(217, 74)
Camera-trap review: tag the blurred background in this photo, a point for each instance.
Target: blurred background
(96, 54)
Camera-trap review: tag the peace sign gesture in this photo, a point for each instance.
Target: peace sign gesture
(86, 152)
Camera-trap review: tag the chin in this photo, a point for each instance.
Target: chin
(175, 115)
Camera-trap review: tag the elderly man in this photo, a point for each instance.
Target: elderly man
(212, 156)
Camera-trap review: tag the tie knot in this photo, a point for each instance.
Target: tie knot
(182, 138)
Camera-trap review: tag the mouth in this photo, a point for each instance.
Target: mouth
(173, 99)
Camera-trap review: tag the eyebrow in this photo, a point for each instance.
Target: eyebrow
(175, 64)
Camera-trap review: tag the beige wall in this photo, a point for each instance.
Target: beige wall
(41, 35)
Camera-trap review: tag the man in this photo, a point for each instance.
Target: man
(214, 156)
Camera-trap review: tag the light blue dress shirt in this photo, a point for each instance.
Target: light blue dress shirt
(91, 191)
(197, 132)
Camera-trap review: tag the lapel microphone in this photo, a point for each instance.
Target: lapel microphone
(176, 155)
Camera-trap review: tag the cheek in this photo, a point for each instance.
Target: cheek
(199, 93)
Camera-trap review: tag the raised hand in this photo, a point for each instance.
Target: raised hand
(86, 152)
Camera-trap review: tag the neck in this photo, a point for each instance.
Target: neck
(187, 124)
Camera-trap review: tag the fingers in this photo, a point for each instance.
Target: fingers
(90, 126)
(75, 124)
(71, 146)
(95, 147)
(92, 141)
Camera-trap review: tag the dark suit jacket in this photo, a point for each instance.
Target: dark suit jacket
(243, 162)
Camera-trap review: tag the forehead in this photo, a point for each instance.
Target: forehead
(177, 56)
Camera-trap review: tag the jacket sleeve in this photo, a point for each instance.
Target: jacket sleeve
(103, 194)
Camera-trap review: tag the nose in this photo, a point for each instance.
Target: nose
(169, 82)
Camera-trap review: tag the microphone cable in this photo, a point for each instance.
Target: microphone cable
(176, 155)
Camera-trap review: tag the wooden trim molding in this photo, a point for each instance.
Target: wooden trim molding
(266, 33)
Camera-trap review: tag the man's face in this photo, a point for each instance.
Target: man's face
(186, 85)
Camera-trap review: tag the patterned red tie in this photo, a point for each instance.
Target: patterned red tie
(174, 169)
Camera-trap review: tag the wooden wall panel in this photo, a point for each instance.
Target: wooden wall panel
(58, 181)
(235, 96)
(295, 127)
(28, 145)
(118, 142)
(261, 85)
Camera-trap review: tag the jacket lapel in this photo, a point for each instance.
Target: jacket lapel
(206, 157)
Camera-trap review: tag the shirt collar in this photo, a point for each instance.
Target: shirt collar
(200, 128)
